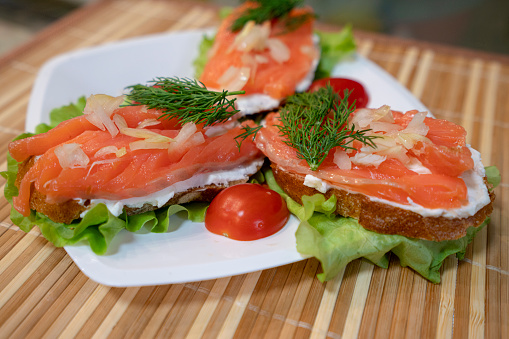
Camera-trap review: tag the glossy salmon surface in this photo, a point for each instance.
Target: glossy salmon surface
(417, 162)
(114, 167)
(264, 74)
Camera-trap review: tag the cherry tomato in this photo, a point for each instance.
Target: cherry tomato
(246, 212)
(357, 91)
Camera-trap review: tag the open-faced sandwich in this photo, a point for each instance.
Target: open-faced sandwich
(269, 50)
(406, 182)
(173, 143)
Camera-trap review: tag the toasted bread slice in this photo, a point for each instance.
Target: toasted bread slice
(71, 210)
(385, 218)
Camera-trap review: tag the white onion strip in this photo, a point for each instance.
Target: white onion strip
(110, 150)
(278, 50)
(234, 78)
(98, 111)
(71, 156)
(148, 123)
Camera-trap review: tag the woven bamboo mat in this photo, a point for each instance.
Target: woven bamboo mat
(44, 294)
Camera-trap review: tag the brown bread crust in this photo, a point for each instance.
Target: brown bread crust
(383, 218)
(70, 210)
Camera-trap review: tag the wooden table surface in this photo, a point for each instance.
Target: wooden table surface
(44, 294)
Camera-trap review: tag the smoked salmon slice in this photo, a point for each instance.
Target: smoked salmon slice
(266, 58)
(78, 160)
(415, 160)
(69, 129)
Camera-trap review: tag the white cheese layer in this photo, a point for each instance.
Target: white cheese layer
(477, 193)
(161, 197)
(254, 103)
(316, 183)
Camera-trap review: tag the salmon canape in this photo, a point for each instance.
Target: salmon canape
(269, 60)
(397, 173)
(128, 158)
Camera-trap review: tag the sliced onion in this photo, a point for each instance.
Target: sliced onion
(387, 146)
(384, 142)
(252, 37)
(146, 144)
(278, 50)
(187, 138)
(220, 129)
(110, 150)
(99, 109)
(146, 134)
(408, 140)
(234, 78)
(71, 156)
(417, 125)
(362, 118)
(105, 151)
(148, 123)
(187, 130)
(185, 133)
(395, 152)
(387, 127)
(367, 159)
(99, 162)
(121, 152)
(261, 59)
(196, 139)
(415, 165)
(140, 133)
(342, 159)
(249, 61)
(119, 121)
(383, 114)
(378, 119)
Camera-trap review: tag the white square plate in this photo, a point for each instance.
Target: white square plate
(190, 253)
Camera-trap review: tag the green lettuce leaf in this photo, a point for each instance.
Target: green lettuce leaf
(98, 226)
(57, 115)
(335, 241)
(493, 175)
(334, 47)
(202, 58)
(225, 11)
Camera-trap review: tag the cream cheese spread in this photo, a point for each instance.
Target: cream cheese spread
(316, 183)
(161, 197)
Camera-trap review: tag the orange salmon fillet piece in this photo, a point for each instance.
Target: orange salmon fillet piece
(69, 129)
(136, 173)
(446, 157)
(275, 79)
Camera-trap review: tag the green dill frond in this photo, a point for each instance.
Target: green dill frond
(314, 123)
(248, 132)
(271, 10)
(185, 99)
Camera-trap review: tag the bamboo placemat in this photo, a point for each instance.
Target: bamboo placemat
(44, 294)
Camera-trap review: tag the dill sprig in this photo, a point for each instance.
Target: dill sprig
(314, 123)
(185, 99)
(270, 10)
(248, 132)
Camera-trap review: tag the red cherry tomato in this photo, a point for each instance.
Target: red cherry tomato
(246, 212)
(357, 91)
